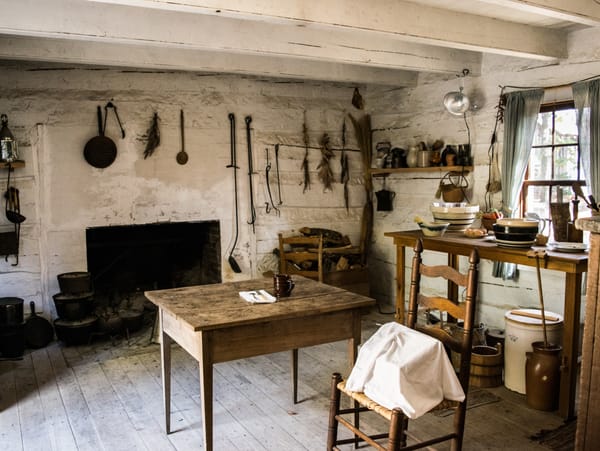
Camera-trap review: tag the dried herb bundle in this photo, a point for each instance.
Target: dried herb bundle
(305, 170)
(153, 134)
(325, 172)
(345, 174)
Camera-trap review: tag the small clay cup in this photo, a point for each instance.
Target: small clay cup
(282, 285)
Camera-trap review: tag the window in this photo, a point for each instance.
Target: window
(554, 165)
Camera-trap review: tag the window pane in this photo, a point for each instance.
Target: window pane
(565, 127)
(540, 164)
(565, 163)
(543, 130)
(537, 201)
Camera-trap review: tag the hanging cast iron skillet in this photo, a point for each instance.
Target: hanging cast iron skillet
(38, 331)
(100, 151)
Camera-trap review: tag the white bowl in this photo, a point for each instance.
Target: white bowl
(433, 228)
(459, 215)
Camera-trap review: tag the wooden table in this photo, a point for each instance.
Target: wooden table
(214, 324)
(572, 264)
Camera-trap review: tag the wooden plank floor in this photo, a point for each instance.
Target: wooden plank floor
(108, 397)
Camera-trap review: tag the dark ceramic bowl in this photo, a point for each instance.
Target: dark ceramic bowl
(498, 228)
(515, 236)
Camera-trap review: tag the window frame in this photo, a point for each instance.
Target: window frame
(552, 107)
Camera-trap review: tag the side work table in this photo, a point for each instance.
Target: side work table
(573, 265)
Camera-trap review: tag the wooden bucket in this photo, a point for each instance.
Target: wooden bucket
(486, 366)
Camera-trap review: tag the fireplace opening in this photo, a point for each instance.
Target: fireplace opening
(125, 261)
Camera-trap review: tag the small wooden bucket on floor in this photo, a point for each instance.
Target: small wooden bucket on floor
(486, 366)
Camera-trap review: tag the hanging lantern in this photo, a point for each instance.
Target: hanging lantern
(8, 144)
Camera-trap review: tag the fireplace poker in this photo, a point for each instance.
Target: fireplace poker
(233, 164)
(250, 173)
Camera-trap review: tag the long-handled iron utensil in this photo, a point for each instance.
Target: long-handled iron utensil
(182, 156)
(272, 204)
(250, 173)
(277, 170)
(233, 164)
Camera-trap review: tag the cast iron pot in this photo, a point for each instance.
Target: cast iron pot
(12, 341)
(73, 307)
(132, 319)
(75, 332)
(11, 311)
(75, 282)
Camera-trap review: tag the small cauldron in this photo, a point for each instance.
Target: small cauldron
(73, 307)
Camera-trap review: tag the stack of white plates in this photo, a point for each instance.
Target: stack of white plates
(515, 244)
(564, 246)
(459, 215)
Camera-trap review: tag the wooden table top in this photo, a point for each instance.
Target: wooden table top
(458, 244)
(214, 306)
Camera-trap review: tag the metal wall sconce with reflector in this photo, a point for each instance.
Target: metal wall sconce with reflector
(456, 102)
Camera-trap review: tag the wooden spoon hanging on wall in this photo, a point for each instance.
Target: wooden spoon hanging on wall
(182, 156)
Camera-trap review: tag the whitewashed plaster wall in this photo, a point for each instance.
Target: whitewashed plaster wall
(52, 113)
(408, 116)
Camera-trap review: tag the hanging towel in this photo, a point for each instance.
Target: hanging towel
(404, 368)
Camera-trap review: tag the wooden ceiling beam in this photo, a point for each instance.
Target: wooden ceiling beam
(97, 22)
(586, 12)
(410, 21)
(180, 59)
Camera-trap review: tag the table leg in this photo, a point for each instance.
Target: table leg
(206, 395)
(568, 379)
(295, 376)
(400, 283)
(165, 362)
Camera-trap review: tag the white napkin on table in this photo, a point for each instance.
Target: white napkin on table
(405, 368)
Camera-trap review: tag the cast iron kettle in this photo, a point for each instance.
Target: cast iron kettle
(385, 200)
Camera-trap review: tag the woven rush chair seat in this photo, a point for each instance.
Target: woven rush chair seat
(386, 413)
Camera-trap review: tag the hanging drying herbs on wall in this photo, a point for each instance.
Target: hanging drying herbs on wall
(153, 135)
(325, 172)
(345, 174)
(305, 170)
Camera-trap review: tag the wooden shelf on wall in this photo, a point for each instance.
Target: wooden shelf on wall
(376, 172)
(14, 164)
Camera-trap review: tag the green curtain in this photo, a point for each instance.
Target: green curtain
(586, 95)
(520, 119)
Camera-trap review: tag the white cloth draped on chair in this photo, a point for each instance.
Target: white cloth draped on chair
(404, 368)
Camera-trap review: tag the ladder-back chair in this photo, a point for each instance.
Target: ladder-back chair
(398, 422)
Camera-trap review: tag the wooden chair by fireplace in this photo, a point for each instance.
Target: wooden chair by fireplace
(398, 422)
(301, 255)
